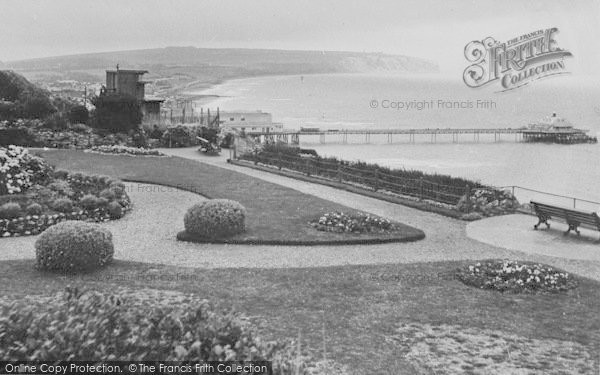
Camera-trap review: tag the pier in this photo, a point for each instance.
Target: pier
(410, 135)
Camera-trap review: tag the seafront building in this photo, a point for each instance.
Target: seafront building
(129, 82)
(249, 122)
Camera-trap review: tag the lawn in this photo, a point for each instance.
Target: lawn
(376, 319)
(371, 317)
(275, 214)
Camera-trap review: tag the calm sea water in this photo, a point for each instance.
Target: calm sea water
(346, 101)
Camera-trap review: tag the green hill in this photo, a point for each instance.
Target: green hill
(21, 98)
(181, 68)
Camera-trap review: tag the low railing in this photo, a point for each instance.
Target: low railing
(524, 195)
(376, 180)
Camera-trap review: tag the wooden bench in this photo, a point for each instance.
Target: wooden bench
(573, 217)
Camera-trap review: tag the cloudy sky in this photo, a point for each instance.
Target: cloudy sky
(437, 30)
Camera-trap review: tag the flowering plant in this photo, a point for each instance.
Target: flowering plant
(118, 149)
(516, 277)
(18, 168)
(360, 223)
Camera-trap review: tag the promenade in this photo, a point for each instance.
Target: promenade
(446, 239)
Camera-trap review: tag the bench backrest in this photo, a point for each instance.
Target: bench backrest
(584, 217)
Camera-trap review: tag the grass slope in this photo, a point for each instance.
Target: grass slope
(275, 214)
(357, 315)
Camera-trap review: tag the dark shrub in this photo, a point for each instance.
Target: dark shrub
(62, 205)
(39, 167)
(79, 115)
(20, 136)
(89, 202)
(61, 174)
(36, 104)
(34, 209)
(73, 246)
(80, 128)
(115, 210)
(127, 325)
(56, 121)
(116, 113)
(108, 194)
(10, 210)
(215, 218)
(102, 202)
(62, 187)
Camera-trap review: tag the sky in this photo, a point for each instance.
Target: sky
(436, 30)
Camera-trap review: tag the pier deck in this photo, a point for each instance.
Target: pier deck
(521, 134)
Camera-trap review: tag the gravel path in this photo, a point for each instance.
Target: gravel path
(147, 234)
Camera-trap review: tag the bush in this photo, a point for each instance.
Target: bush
(124, 325)
(116, 113)
(108, 194)
(34, 209)
(56, 121)
(61, 174)
(20, 136)
(10, 210)
(62, 187)
(79, 115)
(89, 202)
(73, 246)
(216, 218)
(115, 210)
(62, 205)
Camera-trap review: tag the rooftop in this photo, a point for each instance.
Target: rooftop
(131, 71)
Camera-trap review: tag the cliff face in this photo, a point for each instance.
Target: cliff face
(387, 63)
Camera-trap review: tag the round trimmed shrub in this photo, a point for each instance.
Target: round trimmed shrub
(64, 205)
(10, 210)
(74, 246)
(34, 209)
(216, 218)
(115, 210)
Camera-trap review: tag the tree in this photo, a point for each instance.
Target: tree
(116, 113)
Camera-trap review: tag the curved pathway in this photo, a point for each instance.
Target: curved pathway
(147, 234)
(516, 232)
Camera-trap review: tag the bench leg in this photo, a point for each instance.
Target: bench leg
(573, 227)
(541, 220)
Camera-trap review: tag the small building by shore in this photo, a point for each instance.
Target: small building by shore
(249, 122)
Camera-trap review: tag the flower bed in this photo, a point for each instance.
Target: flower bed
(516, 277)
(35, 196)
(125, 150)
(343, 223)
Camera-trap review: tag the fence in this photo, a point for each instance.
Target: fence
(374, 179)
(526, 194)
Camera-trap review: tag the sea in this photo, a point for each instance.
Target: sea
(388, 101)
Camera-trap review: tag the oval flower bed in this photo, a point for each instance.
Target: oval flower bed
(125, 150)
(34, 196)
(358, 223)
(516, 277)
